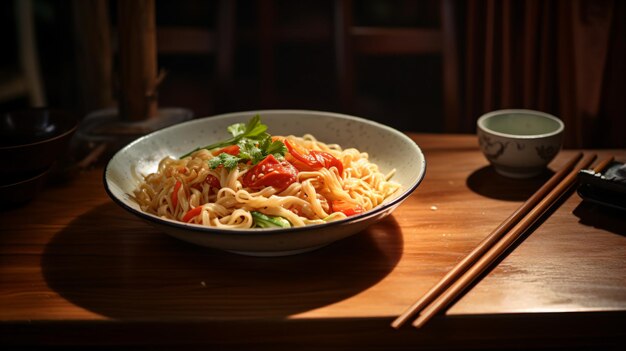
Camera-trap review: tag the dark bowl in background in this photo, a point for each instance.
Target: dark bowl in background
(22, 191)
(31, 141)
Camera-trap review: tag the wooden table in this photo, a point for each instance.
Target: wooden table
(76, 269)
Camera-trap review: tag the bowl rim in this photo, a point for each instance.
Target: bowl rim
(266, 231)
(480, 123)
(74, 121)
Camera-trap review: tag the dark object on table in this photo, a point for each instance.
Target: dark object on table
(22, 191)
(31, 141)
(607, 188)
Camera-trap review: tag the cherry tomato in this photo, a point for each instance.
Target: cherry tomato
(347, 208)
(312, 160)
(270, 172)
(213, 181)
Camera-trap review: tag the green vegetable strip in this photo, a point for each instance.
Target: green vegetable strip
(264, 221)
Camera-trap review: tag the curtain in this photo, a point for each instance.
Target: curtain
(565, 57)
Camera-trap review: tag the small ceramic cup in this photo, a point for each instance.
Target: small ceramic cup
(519, 143)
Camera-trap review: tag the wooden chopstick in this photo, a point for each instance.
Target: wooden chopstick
(485, 244)
(501, 246)
(602, 165)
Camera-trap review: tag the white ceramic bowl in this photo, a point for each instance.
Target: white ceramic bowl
(519, 143)
(386, 147)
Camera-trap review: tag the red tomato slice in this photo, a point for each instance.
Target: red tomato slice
(312, 160)
(175, 194)
(347, 208)
(270, 172)
(231, 150)
(192, 213)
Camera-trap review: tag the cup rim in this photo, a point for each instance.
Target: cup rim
(481, 123)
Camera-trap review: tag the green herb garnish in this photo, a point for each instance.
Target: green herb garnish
(254, 129)
(227, 160)
(254, 145)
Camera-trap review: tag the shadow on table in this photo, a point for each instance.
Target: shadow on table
(113, 264)
(487, 182)
(601, 217)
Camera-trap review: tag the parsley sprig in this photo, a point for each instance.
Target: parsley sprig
(253, 141)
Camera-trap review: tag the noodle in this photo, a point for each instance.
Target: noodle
(189, 190)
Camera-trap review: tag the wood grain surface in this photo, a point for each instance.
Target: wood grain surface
(76, 269)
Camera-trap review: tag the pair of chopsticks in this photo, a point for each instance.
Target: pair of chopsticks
(496, 243)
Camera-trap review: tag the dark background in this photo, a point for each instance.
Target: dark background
(403, 90)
